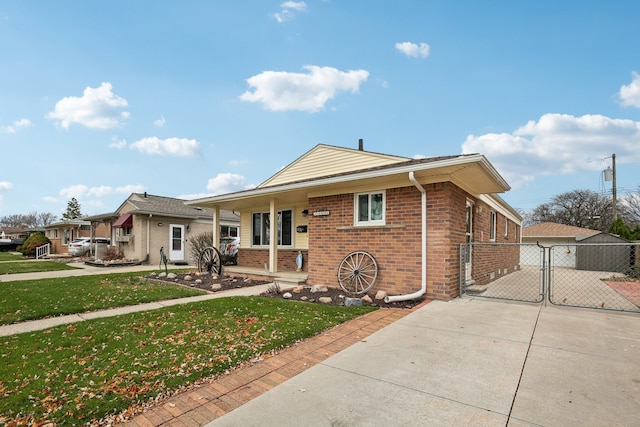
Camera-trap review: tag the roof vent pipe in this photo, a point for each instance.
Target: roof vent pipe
(360, 144)
(423, 288)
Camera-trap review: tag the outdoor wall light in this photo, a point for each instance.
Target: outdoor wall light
(159, 224)
(305, 212)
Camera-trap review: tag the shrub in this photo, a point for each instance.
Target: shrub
(112, 253)
(29, 246)
(199, 242)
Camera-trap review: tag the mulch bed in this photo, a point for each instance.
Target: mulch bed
(209, 283)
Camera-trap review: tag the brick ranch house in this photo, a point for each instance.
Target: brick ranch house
(411, 215)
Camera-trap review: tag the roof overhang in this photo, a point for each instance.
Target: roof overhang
(472, 173)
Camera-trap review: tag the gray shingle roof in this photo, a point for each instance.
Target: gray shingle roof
(167, 206)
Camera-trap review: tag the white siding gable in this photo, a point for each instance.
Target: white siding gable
(324, 160)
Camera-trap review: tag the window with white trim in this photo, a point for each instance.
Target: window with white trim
(492, 226)
(506, 227)
(260, 228)
(370, 208)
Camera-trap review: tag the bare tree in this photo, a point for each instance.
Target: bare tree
(580, 208)
(631, 208)
(46, 218)
(30, 220)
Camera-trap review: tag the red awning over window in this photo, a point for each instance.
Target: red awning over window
(125, 221)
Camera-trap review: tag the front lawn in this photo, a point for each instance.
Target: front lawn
(32, 267)
(81, 372)
(10, 256)
(36, 299)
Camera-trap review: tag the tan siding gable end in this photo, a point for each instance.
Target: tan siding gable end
(324, 160)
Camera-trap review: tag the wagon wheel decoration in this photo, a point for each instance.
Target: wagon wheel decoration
(210, 261)
(358, 272)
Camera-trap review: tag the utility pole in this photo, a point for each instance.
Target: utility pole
(614, 191)
(610, 175)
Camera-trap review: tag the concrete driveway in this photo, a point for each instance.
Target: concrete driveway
(469, 362)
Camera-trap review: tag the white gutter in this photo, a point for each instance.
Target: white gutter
(349, 177)
(423, 288)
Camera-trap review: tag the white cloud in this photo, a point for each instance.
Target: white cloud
(118, 144)
(5, 185)
(630, 94)
(227, 183)
(50, 199)
(414, 50)
(179, 147)
(16, 126)
(160, 122)
(81, 191)
(557, 144)
(282, 91)
(98, 108)
(287, 10)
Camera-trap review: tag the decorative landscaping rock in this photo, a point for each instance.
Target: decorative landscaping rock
(298, 289)
(216, 287)
(287, 295)
(352, 302)
(198, 282)
(163, 274)
(172, 276)
(318, 288)
(366, 299)
(304, 298)
(325, 300)
(187, 278)
(380, 295)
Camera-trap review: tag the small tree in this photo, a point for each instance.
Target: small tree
(199, 242)
(73, 209)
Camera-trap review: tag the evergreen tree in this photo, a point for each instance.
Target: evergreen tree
(73, 210)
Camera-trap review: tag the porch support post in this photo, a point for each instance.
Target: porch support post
(216, 226)
(273, 236)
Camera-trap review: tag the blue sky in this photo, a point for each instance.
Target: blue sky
(189, 99)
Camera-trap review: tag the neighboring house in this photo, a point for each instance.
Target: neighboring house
(144, 223)
(62, 233)
(411, 215)
(561, 237)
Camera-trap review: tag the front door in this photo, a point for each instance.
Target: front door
(469, 240)
(176, 242)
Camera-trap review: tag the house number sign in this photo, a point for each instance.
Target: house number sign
(321, 213)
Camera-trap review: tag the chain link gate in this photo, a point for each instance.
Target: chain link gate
(601, 276)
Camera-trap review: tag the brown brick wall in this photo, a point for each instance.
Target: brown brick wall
(397, 245)
(259, 257)
(494, 259)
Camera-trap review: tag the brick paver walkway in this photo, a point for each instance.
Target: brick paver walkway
(211, 400)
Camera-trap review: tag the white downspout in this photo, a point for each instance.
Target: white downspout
(149, 237)
(423, 288)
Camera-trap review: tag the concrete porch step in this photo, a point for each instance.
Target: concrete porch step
(476, 289)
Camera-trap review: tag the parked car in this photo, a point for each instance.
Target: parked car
(82, 245)
(229, 250)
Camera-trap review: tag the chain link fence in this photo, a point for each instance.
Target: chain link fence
(603, 276)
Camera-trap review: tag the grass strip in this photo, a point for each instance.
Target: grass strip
(11, 256)
(33, 267)
(77, 373)
(37, 299)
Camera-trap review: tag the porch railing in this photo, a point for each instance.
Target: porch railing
(43, 251)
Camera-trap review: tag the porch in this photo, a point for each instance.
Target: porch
(285, 278)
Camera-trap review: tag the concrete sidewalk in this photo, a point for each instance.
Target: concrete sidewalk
(468, 362)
